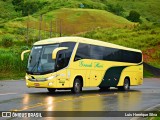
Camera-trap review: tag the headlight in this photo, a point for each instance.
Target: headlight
(50, 84)
(51, 77)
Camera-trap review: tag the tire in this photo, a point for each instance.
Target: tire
(51, 90)
(104, 88)
(126, 85)
(77, 86)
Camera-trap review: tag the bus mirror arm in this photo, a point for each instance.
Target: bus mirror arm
(55, 51)
(22, 54)
(77, 58)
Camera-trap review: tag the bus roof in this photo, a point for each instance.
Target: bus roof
(82, 40)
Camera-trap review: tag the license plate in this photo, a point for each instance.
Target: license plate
(36, 84)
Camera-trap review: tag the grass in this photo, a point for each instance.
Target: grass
(86, 19)
(148, 9)
(12, 75)
(11, 65)
(147, 74)
(153, 118)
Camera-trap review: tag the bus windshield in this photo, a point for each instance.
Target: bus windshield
(40, 60)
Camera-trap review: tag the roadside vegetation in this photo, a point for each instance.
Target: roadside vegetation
(133, 23)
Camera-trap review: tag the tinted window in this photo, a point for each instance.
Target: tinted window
(109, 54)
(112, 54)
(70, 45)
(96, 52)
(86, 51)
(83, 51)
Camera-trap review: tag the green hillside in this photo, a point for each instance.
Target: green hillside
(7, 11)
(149, 9)
(98, 19)
(86, 19)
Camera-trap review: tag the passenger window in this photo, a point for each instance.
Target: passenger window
(82, 52)
(97, 52)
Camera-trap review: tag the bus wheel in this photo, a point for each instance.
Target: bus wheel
(77, 86)
(126, 85)
(51, 90)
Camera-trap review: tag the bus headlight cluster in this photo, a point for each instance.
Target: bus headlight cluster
(51, 77)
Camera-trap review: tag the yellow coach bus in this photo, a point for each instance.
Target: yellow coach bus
(76, 62)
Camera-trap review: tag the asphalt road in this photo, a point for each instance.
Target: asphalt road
(15, 96)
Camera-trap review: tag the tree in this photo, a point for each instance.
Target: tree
(18, 4)
(28, 7)
(134, 16)
(116, 9)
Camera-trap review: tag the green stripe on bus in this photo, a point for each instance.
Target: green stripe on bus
(112, 76)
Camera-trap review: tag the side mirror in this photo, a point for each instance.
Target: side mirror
(22, 54)
(55, 51)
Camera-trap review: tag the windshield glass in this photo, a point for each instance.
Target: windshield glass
(40, 60)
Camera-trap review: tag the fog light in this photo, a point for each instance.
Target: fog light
(50, 84)
(27, 84)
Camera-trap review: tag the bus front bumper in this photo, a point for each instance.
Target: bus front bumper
(41, 84)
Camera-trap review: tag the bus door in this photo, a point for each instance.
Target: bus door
(61, 69)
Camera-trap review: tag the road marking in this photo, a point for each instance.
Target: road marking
(8, 93)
